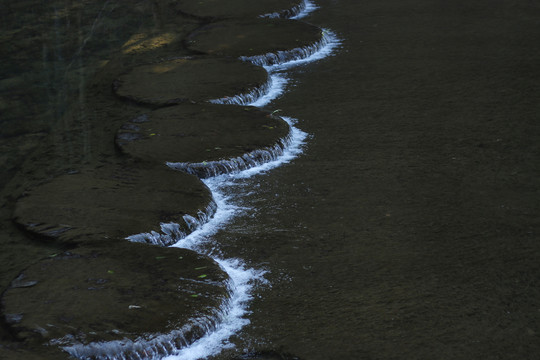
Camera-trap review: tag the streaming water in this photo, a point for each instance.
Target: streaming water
(204, 228)
(229, 190)
(301, 11)
(407, 228)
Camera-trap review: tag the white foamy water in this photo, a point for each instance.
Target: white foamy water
(201, 237)
(324, 48)
(249, 97)
(296, 12)
(278, 77)
(279, 83)
(276, 64)
(243, 278)
(309, 7)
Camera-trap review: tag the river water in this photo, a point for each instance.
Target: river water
(406, 227)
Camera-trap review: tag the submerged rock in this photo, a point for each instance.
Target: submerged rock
(116, 201)
(192, 79)
(240, 8)
(124, 299)
(262, 41)
(205, 140)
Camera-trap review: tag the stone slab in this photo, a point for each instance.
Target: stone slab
(114, 201)
(202, 134)
(285, 39)
(190, 79)
(239, 8)
(124, 298)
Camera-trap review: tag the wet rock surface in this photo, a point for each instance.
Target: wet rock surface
(239, 8)
(117, 294)
(242, 38)
(425, 244)
(189, 79)
(201, 134)
(111, 202)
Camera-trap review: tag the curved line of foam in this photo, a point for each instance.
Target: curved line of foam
(244, 279)
(308, 7)
(154, 346)
(213, 342)
(290, 13)
(247, 98)
(297, 12)
(171, 232)
(328, 43)
(206, 335)
(234, 165)
(282, 57)
(276, 84)
(279, 83)
(279, 80)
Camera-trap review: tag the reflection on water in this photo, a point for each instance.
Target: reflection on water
(50, 51)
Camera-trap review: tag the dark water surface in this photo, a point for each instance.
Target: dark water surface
(409, 228)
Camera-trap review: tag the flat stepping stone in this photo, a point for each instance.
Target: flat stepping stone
(240, 8)
(263, 42)
(189, 79)
(145, 203)
(206, 140)
(130, 300)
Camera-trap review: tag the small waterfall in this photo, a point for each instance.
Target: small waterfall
(230, 166)
(172, 232)
(289, 56)
(154, 346)
(281, 60)
(309, 7)
(208, 335)
(287, 13)
(247, 98)
(279, 81)
(296, 12)
(244, 278)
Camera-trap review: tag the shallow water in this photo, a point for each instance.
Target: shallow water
(408, 228)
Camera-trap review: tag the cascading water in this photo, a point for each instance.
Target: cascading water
(196, 233)
(244, 278)
(308, 7)
(155, 346)
(246, 98)
(296, 12)
(290, 56)
(252, 159)
(171, 232)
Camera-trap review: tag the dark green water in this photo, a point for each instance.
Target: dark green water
(409, 227)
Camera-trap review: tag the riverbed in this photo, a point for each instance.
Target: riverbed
(408, 227)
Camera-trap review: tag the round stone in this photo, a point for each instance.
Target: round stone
(139, 201)
(121, 300)
(205, 140)
(239, 8)
(263, 41)
(188, 79)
